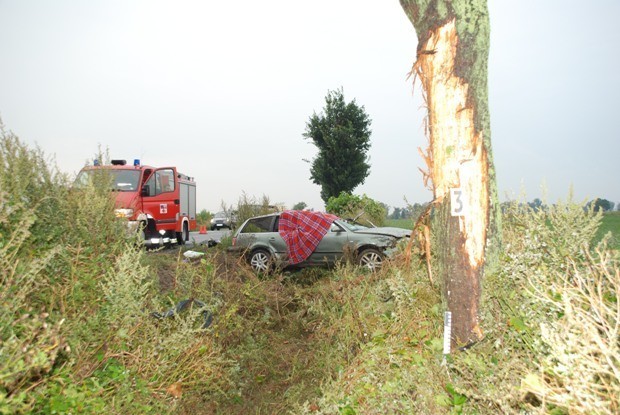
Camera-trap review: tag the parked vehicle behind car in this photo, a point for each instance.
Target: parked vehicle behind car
(222, 220)
(260, 239)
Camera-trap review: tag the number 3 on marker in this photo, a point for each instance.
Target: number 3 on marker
(458, 202)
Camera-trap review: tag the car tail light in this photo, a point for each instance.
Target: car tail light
(234, 241)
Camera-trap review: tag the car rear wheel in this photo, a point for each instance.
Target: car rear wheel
(260, 261)
(370, 258)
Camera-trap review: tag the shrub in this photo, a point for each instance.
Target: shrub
(571, 305)
(250, 206)
(361, 208)
(30, 339)
(31, 334)
(565, 308)
(581, 366)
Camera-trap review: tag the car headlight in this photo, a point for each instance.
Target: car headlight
(123, 213)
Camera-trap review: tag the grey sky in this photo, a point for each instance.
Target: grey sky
(223, 91)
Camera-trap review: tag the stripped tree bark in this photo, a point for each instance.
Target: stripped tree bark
(452, 66)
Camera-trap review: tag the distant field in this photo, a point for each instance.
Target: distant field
(399, 223)
(610, 223)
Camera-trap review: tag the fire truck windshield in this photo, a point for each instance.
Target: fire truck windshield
(120, 180)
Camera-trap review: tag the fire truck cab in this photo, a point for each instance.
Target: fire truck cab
(160, 202)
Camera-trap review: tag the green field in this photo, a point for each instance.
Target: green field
(610, 223)
(399, 223)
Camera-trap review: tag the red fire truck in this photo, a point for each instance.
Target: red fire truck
(160, 202)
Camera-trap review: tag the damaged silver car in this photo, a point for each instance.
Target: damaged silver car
(259, 239)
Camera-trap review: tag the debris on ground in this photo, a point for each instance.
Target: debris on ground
(182, 305)
(193, 254)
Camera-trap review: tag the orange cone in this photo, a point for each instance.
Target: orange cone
(203, 230)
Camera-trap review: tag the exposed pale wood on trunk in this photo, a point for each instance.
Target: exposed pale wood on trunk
(457, 156)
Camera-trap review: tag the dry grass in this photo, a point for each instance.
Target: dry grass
(581, 370)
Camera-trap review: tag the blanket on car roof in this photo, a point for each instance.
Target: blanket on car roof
(302, 231)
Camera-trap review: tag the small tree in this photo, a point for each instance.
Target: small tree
(342, 136)
(203, 217)
(300, 206)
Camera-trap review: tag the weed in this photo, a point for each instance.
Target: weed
(581, 367)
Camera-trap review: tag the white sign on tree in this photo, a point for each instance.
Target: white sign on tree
(459, 204)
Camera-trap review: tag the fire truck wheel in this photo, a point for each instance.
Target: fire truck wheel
(184, 235)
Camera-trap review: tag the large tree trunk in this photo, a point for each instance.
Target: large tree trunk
(452, 65)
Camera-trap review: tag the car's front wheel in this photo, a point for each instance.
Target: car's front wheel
(370, 258)
(260, 261)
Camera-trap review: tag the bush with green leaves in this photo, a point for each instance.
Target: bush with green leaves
(30, 339)
(31, 335)
(361, 208)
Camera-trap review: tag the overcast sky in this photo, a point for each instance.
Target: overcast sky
(223, 91)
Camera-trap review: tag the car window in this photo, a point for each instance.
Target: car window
(353, 226)
(258, 225)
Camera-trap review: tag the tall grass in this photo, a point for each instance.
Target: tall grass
(551, 320)
(76, 334)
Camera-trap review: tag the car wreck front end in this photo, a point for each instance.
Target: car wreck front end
(372, 245)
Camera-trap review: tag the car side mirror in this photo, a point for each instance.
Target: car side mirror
(145, 190)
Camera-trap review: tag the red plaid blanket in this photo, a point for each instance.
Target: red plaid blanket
(302, 231)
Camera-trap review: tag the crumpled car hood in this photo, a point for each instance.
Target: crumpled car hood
(387, 231)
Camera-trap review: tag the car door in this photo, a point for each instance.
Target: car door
(276, 242)
(159, 199)
(262, 232)
(331, 247)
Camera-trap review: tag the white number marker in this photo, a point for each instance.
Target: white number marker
(459, 205)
